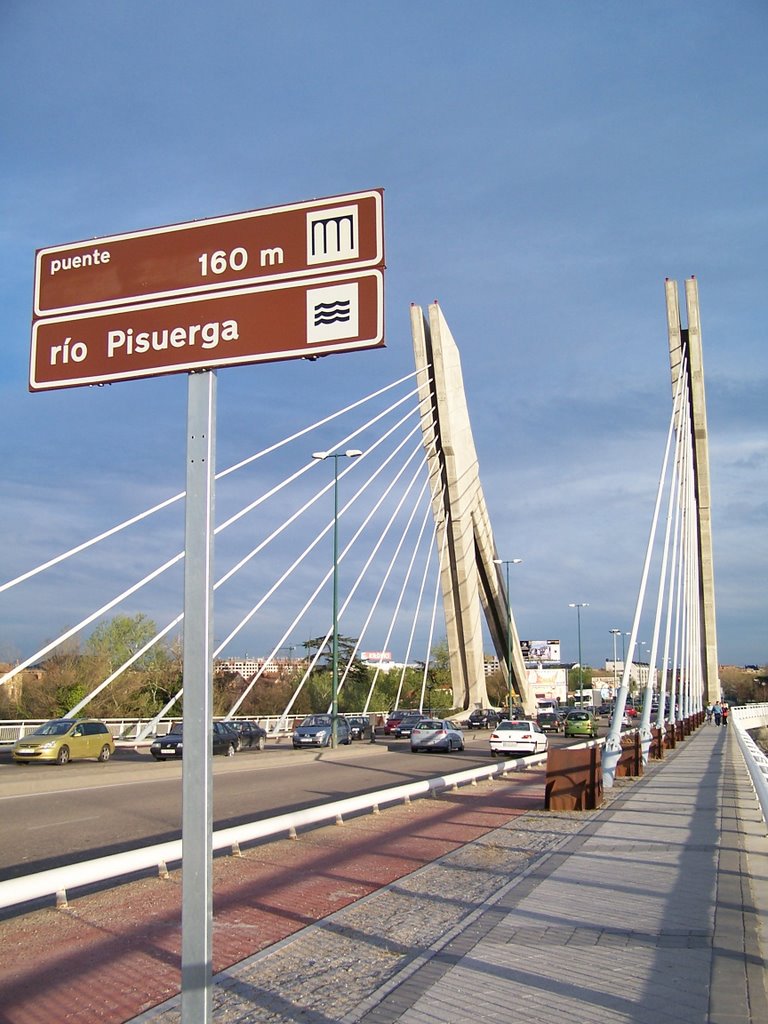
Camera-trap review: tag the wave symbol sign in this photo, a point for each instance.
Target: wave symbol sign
(332, 312)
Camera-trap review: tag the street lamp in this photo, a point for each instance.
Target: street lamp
(578, 608)
(352, 453)
(614, 633)
(506, 562)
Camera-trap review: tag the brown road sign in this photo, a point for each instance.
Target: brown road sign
(286, 320)
(308, 239)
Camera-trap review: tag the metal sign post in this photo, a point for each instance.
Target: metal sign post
(290, 282)
(197, 780)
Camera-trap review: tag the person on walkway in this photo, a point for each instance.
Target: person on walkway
(717, 711)
(709, 714)
(726, 710)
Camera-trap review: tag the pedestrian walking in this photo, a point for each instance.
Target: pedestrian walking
(717, 711)
(709, 714)
(726, 711)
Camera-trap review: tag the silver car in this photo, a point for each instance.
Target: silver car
(315, 731)
(436, 734)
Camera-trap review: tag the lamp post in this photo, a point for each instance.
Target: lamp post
(351, 453)
(578, 608)
(506, 562)
(614, 633)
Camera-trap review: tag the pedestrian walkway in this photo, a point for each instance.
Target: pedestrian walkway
(649, 910)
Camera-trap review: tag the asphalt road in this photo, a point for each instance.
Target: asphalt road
(55, 815)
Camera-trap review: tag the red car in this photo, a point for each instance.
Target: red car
(394, 718)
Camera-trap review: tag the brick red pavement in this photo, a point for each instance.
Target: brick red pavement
(112, 954)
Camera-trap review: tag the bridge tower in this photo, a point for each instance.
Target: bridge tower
(685, 343)
(469, 577)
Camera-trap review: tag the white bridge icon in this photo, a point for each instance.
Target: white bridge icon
(332, 235)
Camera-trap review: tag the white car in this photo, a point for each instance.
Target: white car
(435, 734)
(518, 737)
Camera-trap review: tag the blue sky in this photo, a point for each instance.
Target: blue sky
(546, 166)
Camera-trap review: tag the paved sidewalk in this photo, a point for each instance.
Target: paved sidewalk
(650, 910)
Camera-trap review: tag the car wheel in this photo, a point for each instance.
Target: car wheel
(105, 753)
(461, 745)
(63, 755)
(493, 753)
(157, 757)
(22, 762)
(230, 751)
(262, 742)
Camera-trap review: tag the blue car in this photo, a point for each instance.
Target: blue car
(315, 731)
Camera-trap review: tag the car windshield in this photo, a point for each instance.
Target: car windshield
(317, 720)
(579, 716)
(516, 724)
(56, 728)
(431, 725)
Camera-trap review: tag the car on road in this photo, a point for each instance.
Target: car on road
(251, 734)
(64, 739)
(580, 723)
(394, 718)
(519, 737)
(436, 734)
(359, 726)
(482, 718)
(224, 738)
(405, 726)
(315, 731)
(549, 721)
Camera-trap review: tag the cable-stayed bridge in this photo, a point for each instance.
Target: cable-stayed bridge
(413, 555)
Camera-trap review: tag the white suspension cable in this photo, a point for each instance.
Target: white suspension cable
(177, 497)
(398, 603)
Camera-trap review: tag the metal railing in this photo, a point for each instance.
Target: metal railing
(753, 716)
(126, 730)
(58, 881)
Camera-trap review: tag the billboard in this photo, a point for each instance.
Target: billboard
(540, 650)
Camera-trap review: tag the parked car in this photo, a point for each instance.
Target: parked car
(482, 718)
(315, 731)
(225, 741)
(63, 739)
(549, 721)
(251, 734)
(406, 724)
(518, 737)
(359, 726)
(436, 734)
(580, 723)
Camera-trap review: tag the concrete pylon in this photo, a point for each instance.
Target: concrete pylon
(686, 342)
(470, 580)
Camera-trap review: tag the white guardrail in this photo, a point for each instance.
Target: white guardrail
(126, 730)
(753, 716)
(57, 881)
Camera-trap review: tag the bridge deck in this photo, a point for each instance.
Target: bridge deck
(651, 909)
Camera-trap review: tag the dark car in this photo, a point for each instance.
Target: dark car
(251, 734)
(406, 724)
(483, 718)
(549, 721)
(359, 726)
(225, 741)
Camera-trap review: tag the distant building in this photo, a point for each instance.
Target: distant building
(249, 667)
